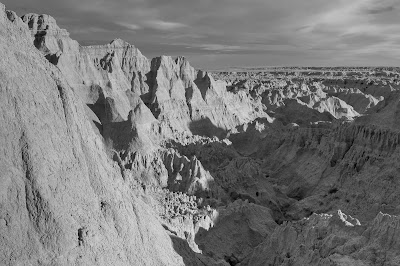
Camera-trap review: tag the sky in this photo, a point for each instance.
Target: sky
(216, 34)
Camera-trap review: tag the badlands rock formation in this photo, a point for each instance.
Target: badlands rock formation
(109, 158)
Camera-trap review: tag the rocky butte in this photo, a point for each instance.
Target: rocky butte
(109, 158)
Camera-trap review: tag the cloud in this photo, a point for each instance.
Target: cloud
(388, 48)
(358, 16)
(186, 36)
(236, 31)
(219, 47)
(129, 26)
(88, 30)
(378, 6)
(163, 25)
(380, 10)
(245, 48)
(352, 27)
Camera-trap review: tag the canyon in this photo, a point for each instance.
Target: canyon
(111, 158)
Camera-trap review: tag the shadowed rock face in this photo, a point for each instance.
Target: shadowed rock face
(110, 158)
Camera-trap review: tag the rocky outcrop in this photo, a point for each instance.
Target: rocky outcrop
(326, 239)
(187, 175)
(201, 105)
(62, 200)
(343, 93)
(238, 229)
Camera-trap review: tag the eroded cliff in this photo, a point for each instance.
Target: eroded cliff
(110, 158)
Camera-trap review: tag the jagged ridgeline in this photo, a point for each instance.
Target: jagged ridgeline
(109, 158)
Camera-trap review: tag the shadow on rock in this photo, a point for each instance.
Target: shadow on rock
(206, 128)
(191, 258)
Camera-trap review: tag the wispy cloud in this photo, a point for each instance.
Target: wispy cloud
(261, 32)
(163, 25)
(355, 17)
(379, 6)
(244, 47)
(388, 48)
(185, 36)
(358, 28)
(88, 30)
(129, 26)
(219, 47)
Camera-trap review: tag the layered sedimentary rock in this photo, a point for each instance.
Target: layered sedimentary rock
(63, 201)
(111, 158)
(330, 240)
